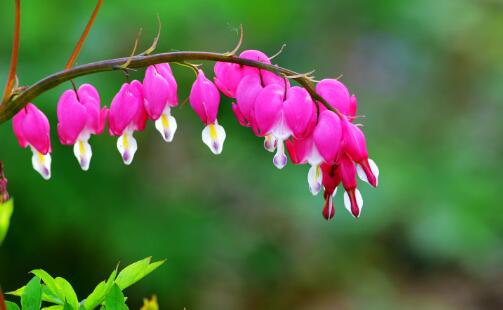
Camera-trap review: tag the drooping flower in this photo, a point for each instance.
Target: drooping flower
(281, 113)
(337, 95)
(354, 145)
(79, 117)
(204, 100)
(32, 129)
(331, 179)
(322, 146)
(353, 200)
(127, 115)
(160, 93)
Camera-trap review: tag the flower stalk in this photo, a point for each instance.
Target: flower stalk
(11, 79)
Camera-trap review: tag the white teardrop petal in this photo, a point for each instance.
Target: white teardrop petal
(127, 146)
(359, 199)
(280, 158)
(166, 125)
(42, 163)
(213, 136)
(83, 152)
(374, 169)
(347, 202)
(315, 178)
(270, 143)
(361, 173)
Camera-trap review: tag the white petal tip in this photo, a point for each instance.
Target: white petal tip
(166, 125)
(213, 136)
(127, 146)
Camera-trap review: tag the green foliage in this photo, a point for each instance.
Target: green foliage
(60, 293)
(11, 306)
(6, 210)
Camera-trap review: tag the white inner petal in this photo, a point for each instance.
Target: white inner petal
(83, 152)
(166, 125)
(270, 142)
(374, 169)
(347, 202)
(41, 163)
(315, 178)
(361, 173)
(213, 136)
(127, 146)
(280, 158)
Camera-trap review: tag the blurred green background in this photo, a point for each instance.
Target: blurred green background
(236, 232)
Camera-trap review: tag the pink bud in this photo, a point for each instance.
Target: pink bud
(31, 128)
(337, 95)
(327, 136)
(159, 90)
(204, 99)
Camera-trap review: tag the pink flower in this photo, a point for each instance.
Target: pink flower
(127, 115)
(229, 75)
(281, 113)
(354, 145)
(31, 128)
(323, 146)
(337, 95)
(204, 100)
(160, 92)
(79, 117)
(352, 198)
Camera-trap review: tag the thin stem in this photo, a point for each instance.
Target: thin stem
(8, 110)
(15, 50)
(83, 37)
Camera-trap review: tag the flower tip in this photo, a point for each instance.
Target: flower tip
(213, 136)
(280, 160)
(353, 202)
(328, 209)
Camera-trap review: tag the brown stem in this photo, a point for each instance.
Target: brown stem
(10, 108)
(3, 306)
(15, 49)
(83, 37)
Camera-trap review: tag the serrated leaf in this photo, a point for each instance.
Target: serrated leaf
(50, 282)
(135, 272)
(46, 294)
(31, 299)
(11, 306)
(68, 292)
(6, 210)
(115, 299)
(98, 295)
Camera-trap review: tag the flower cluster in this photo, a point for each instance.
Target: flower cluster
(287, 117)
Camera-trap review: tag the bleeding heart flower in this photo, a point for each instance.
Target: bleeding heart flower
(127, 115)
(31, 128)
(160, 93)
(337, 95)
(354, 145)
(352, 198)
(204, 100)
(79, 117)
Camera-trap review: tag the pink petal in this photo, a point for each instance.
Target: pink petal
(327, 136)
(246, 94)
(35, 127)
(126, 108)
(336, 94)
(300, 112)
(72, 117)
(156, 91)
(354, 141)
(268, 107)
(17, 126)
(204, 99)
(227, 77)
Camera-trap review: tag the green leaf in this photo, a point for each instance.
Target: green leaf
(47, 295)
(67, 306)
(98, 295)
(6, 210)
(68, 292)
(51, 284)
(32, 295)
(55, 307)
(115, 299)
(135, 272)
(11, 306)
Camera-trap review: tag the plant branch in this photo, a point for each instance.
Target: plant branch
(8, 110)
(83, 37)
(15, 50)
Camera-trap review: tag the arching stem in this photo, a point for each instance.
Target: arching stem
(10, 108)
